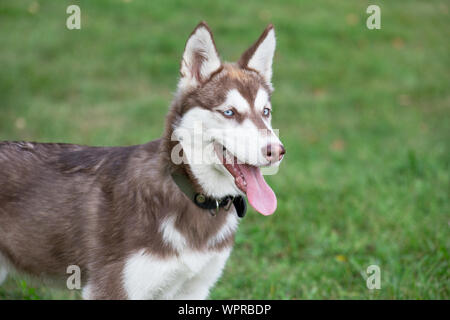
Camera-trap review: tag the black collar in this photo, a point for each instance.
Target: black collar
(211, 204)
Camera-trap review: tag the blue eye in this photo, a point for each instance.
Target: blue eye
(229, 113)
(266, 111)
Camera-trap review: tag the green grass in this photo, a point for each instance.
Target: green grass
(364, 115)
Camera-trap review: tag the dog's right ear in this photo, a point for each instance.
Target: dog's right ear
(259, 56)
(200, 57)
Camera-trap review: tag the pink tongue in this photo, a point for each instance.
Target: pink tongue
(259, 194)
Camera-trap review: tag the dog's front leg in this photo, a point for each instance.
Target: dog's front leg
(3, 274)
(149, 277)
(3, 269)
(104, 284)
(197, 288)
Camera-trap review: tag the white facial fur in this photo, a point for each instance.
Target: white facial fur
(243, 140)
(261, 100)
(199, 150)
(236, 100)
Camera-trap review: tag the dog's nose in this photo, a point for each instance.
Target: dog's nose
(274, 152)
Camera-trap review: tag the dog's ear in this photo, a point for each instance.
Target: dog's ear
(259, 56)
(200, 57)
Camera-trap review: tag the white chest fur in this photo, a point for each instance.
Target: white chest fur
(178, 241)
(189, 275)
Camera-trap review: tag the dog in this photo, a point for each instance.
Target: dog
(149, 221)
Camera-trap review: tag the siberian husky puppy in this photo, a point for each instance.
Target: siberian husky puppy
(151, 221)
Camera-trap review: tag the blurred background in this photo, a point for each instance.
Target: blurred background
(364, 115)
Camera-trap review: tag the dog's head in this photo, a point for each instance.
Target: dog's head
(223, 120)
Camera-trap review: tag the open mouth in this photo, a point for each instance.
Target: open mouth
(248, 179)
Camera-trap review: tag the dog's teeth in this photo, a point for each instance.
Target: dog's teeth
(241, 180)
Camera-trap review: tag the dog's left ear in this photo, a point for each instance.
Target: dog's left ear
(200, 58)
(259, 56)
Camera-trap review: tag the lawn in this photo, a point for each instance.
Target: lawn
(364, 115)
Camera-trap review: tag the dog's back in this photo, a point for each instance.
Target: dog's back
(49, 196)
